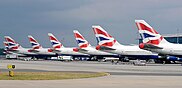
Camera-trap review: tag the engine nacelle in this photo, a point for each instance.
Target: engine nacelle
(173, 58)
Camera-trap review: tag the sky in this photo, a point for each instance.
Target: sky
(20, 18)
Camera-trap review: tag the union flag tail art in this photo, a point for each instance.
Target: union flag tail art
(103, 38)
(34, 43)
(11, 43)
(54, 41)
(148, 34)
(82, 43)
(6, 45)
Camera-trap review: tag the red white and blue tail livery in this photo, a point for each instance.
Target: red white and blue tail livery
(148, 34)
(59, 49)
(12, 44)
(38, 49)
(82, 43)
(103, 38)
(85, 47)
(6, 45)
(108, 44)
(14, 47)
(34, 43)
(155, 42)
(54, 41)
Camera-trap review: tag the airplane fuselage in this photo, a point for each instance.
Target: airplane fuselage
(68, 51)
(169, 49)
(133, 51)
(93, 51)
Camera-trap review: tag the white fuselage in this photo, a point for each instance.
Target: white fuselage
(43, 51)
(92, 51)
(169, 49)
(68, 51)
(23, 51)
(129, 50)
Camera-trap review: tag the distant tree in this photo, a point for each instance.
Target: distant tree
(1, 51)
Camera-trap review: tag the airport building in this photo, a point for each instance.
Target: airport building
(173, 38)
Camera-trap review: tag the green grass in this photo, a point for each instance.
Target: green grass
(49, 75)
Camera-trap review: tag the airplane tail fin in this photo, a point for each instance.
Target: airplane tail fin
(54, 41)
(104, 38)
(148, 34)
(82, 43)
(34, 43)
(6, 45)
(13, 45)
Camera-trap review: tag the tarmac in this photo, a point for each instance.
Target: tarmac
(126, 76)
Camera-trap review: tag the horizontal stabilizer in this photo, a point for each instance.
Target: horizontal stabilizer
(104, 48)
(149, 46)
(55, 50)
(13, 50)
(82, 50)
(33, 50)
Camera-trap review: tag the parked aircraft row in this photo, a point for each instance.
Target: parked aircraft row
(153, 41)
(154, 46)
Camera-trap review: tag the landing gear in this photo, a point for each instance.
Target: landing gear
(124, 59)
(159, 61)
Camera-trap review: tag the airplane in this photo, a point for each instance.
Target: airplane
(18, 49)
(108, 44)
(14, 47)
(38, 49)
(61, 50)
(10, 53)
(6, 47)
(85, 47)
(155, 42)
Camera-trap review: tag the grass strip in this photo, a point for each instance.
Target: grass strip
(50, 75)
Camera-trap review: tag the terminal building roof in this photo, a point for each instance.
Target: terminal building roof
(173, 35)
